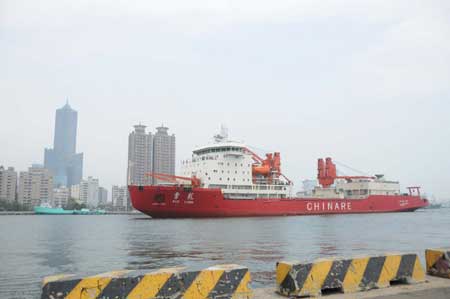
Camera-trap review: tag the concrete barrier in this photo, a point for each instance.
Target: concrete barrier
(347, 275)
(438, 262)
(217, 282)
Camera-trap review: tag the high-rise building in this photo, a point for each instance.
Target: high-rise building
(8, 184)
(92, 199)
(60, 196)
(102, 196)
(163, 152)
(62, 160)
(83, 188)
(119, 196)
(139, 156)
(35, 186)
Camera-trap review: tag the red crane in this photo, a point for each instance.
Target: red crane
(195, 182)
(326, 173)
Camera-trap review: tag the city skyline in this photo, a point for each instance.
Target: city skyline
(366, 84)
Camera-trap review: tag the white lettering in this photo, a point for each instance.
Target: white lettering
(190, 197)
(330, 206)
(316, 206)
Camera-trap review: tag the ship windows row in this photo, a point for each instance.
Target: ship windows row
(228, 179)
(220, 150)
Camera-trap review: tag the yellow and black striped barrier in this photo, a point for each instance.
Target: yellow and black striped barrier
(347, 275)
(222, 281)
(438, 262)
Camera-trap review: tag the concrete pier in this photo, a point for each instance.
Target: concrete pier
(434, 287)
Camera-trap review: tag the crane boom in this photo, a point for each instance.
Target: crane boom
(195, 182)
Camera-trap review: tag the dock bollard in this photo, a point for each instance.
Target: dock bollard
(438, 262)
(347, 275)
(221, 281)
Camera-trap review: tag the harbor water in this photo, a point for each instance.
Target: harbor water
(32, 247)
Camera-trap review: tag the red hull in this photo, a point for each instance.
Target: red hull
(179, 202)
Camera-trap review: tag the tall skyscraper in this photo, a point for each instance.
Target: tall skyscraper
(63, 161)
(163, 152)
(35, 186)
(8, 184)
(139, 156)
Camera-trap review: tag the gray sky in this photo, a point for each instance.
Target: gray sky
(366, 82)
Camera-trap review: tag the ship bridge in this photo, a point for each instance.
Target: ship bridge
(229, 147)
(232, 167)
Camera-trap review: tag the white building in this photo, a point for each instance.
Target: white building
(60, 196)
(86, 192)
(79, 192)
(8, 184)
(35, 186)
(163, 152)
(139, 156)
(119, 195)
(92, 199)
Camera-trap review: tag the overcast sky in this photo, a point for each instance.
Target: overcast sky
(366, 82)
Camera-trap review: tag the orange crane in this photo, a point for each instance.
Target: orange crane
(271, 165)
(195, 182)
(326, 173)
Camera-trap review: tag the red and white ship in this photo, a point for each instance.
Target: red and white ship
(226, 179)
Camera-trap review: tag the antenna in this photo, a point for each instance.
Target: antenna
(224, 131)
(223, 135)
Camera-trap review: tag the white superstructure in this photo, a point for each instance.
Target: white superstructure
(358, 188)
(228, 165)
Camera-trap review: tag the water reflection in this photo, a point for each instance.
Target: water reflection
(56, 242)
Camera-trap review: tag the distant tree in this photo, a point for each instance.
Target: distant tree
(13, 206)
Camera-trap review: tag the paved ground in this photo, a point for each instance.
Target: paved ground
(434, 288)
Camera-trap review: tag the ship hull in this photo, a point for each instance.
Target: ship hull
(181, 202)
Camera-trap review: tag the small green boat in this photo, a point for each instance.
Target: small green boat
(47, 210)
